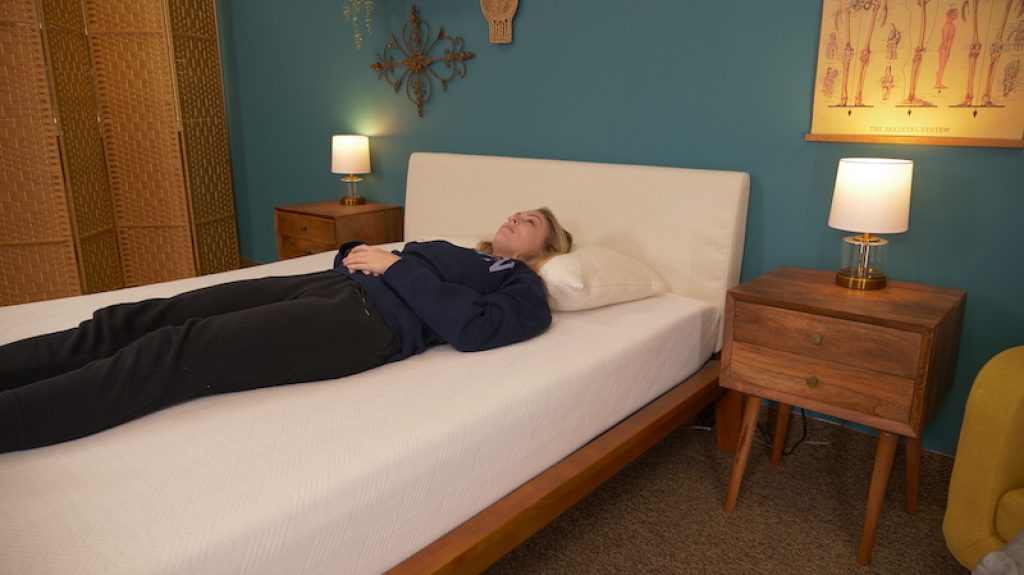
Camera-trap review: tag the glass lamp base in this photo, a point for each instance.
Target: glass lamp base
(352, 200)
(851, 278)
(863, 264)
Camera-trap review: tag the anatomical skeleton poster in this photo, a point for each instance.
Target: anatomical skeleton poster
(933, 69)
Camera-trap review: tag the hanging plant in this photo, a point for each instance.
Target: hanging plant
(359, 13)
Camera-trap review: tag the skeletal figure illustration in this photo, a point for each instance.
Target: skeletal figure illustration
(865, 53)
(975, 49)
(1010, 77)
(843, 14)
(915, 68)
(946, 47)
(888, 81)
(843, 17)
(828, 83)
(832, 48)
(994, 55)
(892, 43)
(1017, 37)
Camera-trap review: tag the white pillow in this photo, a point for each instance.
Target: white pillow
(587, 277)
(594, 276)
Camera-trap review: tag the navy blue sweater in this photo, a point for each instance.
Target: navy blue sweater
(441, 293)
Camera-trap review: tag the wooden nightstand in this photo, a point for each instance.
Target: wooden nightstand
(304, 229)
(881, 358)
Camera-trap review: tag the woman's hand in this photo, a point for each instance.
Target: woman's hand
(369, 260)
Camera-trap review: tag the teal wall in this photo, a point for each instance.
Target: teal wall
(692, 84)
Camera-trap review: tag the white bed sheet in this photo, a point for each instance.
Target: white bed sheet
(350, 475)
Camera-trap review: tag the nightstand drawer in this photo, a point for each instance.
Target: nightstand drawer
(301, 227)
(291, 247)
(852, 343)
(820, 385)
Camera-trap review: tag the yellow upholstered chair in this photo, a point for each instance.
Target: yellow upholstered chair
(985, 508)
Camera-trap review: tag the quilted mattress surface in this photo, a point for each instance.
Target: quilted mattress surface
(344, 476)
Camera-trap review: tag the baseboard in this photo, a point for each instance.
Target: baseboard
(247, 263)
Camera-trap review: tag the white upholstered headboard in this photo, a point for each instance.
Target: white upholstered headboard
(688, 224)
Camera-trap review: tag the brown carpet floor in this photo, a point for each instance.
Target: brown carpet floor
(663, 514)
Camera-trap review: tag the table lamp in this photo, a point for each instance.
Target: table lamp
(872, 196)
(350, 155)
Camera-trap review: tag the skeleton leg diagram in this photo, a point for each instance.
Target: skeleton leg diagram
(843, 22)
(973, 52)
(912, 98)
(946, 45)
(996, 48)
(995, 54)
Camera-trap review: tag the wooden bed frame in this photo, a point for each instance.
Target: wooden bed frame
(590, 194)
(687, 224)
(489, 535)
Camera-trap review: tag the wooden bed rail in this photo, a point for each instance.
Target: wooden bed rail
(486, 537)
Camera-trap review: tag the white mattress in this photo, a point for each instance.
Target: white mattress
(350, 475)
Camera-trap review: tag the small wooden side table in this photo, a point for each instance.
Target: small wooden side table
(304, 229)
(882, 358)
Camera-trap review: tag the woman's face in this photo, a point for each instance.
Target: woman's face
(523, 235)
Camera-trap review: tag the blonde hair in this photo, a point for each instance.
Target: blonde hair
(558, 241)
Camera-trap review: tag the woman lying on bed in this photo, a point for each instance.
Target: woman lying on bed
(373, 307)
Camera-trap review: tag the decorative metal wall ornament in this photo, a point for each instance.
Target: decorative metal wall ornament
(417, 62)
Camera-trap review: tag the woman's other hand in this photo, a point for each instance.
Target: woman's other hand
(369, 260)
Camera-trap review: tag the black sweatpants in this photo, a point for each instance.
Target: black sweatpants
(132, 359)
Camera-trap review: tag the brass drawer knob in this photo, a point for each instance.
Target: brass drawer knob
(816, 338)
(812, 382)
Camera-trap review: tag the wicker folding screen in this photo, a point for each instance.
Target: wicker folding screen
(144, 195)
(37, 254)
(135, 91)
(85, 170)
(205, 134)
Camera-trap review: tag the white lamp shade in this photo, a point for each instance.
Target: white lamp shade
(350, 155)
(872, 195)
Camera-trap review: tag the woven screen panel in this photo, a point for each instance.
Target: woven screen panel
(213, 206)
(205, 134)
(77, 110)
(125, 16)
(38, 258)
(139, 129)
(193, 18)
(219, 241)
(36, 272)
(198, 72)
(63, 14)
(21, 11)
(136, 101)
(86, 170)
(101, 269)
(209, 170)
(32, 203)
(155, 254)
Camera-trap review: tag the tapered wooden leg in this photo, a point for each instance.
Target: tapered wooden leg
(876, 495)
(913, 473)
(728, 418)
(751, 409)
(781, 430)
